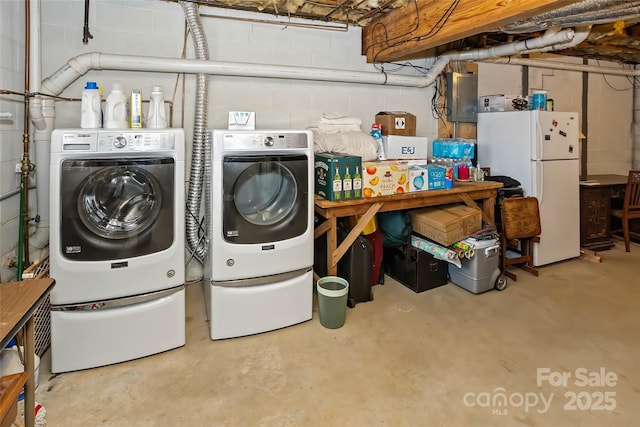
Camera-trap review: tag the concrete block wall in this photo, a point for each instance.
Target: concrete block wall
(153, 28)
(610, 131)
(610, 134)
(11, 78)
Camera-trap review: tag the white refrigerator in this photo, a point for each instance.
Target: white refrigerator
(541, 150)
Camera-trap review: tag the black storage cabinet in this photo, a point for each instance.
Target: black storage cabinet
(416, 269)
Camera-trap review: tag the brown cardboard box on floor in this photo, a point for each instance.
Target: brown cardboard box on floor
(397, 123)
(446, 224)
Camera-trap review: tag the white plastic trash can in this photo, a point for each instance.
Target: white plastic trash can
(332, 301)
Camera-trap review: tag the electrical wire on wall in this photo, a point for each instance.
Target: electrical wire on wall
(634, 83)
(439, 111)
(434, 30)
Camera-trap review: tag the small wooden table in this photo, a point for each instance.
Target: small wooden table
(18, 302)
(467, 192)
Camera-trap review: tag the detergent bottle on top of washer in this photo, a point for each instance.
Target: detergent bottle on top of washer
(115, 112)
(91, 113)
(157, 118)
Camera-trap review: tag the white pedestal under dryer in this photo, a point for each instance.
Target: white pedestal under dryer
(117, 245)
(259, 270)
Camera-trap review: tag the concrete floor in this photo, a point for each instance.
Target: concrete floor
(436, 358)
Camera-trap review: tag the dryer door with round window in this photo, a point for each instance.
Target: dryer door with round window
(265, 198)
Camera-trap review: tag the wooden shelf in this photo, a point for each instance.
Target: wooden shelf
(10, 389)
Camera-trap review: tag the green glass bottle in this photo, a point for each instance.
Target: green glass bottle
(357, 183)
(347, 184)
(337, 185)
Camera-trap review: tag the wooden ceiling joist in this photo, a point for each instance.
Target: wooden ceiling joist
(424, 24)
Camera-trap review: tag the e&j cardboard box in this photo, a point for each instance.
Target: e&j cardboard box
(338, 176)
(405, 147)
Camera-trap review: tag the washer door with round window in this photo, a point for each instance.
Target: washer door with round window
(116, 209)
(265, 198)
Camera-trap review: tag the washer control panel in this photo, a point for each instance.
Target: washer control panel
(135, 141)
(105, 141)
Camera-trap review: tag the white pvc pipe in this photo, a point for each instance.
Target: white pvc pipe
(564, 66)
(548, 39)
(42, 140)
(81, 64)
(35, 56)
(42, 114)
(581, 35)
(35, 65)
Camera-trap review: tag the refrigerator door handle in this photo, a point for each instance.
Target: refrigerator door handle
(539, 181)
(540, 141)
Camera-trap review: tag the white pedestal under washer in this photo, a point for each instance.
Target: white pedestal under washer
(258, 273)
(116, 245)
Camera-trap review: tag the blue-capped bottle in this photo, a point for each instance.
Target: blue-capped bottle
(91, 113)
(376, 133)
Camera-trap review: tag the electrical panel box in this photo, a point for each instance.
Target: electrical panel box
(462, 97)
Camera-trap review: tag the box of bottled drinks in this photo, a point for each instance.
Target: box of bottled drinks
(338, 176)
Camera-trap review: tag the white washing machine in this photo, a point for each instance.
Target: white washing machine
(259, 268)
(116, 245)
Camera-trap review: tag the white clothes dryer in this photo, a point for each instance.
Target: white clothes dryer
(116, 245)
(259, 269)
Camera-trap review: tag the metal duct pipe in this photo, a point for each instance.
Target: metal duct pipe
(564, 66)
(591, 11)
(201, 148)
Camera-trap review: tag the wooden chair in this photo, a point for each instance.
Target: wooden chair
(631, 206)
(519, 231)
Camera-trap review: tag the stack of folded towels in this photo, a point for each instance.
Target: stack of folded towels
(335, 132)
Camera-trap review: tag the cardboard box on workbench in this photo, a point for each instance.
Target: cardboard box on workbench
(397, 123)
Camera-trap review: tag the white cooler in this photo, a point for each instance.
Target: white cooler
(481, 272)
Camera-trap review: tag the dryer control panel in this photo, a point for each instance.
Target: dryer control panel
(235, 140)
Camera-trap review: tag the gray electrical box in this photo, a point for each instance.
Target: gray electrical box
(462, 97)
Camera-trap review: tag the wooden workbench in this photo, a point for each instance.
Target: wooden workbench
(18, 302)
(467, 192)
